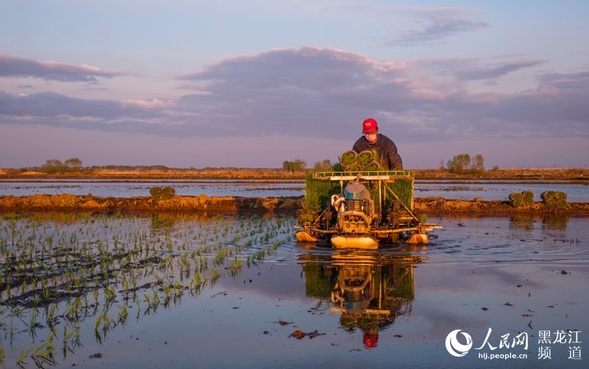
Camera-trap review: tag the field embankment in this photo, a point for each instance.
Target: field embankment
(203, 203)
(238, 205)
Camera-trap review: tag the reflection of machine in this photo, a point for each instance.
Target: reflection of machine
(370, 290)
(366, 211)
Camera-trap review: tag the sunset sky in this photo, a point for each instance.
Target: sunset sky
(228, 83)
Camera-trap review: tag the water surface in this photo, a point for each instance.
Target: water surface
(455, 189)
(494, 278)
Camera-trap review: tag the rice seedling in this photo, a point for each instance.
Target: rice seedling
(215, 274)
(59, 269)
(43, 355)
(65, 339)
(123, 315)
(235, 267)
(21, 359)
(2, 355)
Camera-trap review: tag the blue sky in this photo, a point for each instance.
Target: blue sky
(188, 83)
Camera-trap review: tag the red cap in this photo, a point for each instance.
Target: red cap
(369, 125)
(370, 341)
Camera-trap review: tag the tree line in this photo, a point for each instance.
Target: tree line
(460, 164)
(463, 163)
(57, 166)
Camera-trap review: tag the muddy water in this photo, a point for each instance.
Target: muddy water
(516, 287)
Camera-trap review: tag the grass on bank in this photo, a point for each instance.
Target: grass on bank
(160, 172)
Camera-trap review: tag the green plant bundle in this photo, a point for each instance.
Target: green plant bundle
(522, 199)
(372, 166)
(318, 193)
(349, 157)
(367, 160)
(354, 167)
(404, 191)
(556, 199)
(306, 216)
(528, 197)
(547, 195)
(165, 193)
(365, 157)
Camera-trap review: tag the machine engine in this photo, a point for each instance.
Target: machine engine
(355, 210)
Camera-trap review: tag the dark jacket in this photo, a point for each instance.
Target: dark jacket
(386, 148)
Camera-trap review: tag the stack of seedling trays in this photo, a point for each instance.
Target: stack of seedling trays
(555, 199)
(522, 199)
(159, 193)
(366, 160)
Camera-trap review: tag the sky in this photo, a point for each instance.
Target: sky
(254, 83)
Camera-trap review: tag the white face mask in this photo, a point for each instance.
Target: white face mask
(371, 137)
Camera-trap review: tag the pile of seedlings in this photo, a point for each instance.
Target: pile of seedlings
(555, 199)
(550, 198)
(521, 199)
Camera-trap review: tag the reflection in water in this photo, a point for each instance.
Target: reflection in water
(370, 289)
(162, 224)
(558, 222)
(526, 221)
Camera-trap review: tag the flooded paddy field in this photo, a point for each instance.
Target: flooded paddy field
(133, 188)
(449, 189)
(187, 291)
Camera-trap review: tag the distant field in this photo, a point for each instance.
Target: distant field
(276, 173)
